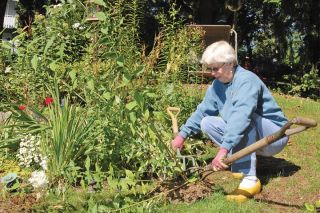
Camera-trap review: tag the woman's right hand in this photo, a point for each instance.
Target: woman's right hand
(177, 143)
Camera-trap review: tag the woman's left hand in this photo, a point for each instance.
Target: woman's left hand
(217, 162)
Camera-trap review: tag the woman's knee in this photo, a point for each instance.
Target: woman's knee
(205, 125)
(273, 148)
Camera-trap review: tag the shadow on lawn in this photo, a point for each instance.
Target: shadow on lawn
(270, 167)
(280, 204)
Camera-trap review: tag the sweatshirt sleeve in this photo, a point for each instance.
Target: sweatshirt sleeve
(244, 103)
(208, 107)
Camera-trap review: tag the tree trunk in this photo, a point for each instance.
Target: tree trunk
(314, 32)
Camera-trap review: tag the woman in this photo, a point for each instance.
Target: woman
(236, 111)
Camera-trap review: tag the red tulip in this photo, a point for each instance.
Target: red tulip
(48, 101)
(22, 107)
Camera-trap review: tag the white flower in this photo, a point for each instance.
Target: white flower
(38, 179)
(22, 151)
(76, 25)
(43, 164)
(29, 151)
(57, 5)
(7, 70)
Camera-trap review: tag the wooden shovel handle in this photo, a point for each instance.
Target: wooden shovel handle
(307, 122)
(174, 112)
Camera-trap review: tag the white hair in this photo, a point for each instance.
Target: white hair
(219, 52)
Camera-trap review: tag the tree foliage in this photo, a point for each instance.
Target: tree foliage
(280, 37)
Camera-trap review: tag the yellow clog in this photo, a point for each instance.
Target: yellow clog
(237, 175)
(242, 194)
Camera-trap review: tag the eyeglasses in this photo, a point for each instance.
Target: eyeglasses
(214, 69)
(209, 68)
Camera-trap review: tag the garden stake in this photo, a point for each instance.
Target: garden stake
(174, 112)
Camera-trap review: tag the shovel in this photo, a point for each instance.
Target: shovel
(174, 112)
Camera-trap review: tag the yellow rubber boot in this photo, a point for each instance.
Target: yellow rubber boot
(242, 194)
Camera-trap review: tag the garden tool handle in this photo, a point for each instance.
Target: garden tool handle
(304, 123)
(174, 112)
(307, 122)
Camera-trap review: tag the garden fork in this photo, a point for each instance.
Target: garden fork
(174, 112)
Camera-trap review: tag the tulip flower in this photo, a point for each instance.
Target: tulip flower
(48, 101)
(22, 107)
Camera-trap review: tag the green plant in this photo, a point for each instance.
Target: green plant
(307, 85)
(65, 136)
(69, 136)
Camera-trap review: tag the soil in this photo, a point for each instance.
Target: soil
(178, 192)
(18, 203)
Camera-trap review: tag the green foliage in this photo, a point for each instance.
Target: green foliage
(277, 2)
(280, 37)
(70, 136)
(112, 126)
(307, 85)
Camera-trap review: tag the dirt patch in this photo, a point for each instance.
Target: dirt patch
(18, 203)
(179, 192)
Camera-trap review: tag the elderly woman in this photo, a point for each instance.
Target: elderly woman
(236, 111)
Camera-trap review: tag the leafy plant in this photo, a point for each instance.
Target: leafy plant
(308, 85)
(67, 138)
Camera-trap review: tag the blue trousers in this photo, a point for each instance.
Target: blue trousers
(259, 127)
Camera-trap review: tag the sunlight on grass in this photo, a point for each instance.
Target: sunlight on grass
(216, 203)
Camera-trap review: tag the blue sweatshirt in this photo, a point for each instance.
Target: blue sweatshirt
(235, 102)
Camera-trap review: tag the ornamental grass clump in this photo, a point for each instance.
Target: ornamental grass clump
(68, 138)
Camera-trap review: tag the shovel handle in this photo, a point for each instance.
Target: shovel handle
(174, 112)
(307, 122)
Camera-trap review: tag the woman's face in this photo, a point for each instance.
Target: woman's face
(223, 72)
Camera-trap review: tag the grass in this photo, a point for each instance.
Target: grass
(282, 191)
(215, 203)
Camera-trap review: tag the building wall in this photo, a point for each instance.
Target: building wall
(10, 15)
(9, 22)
